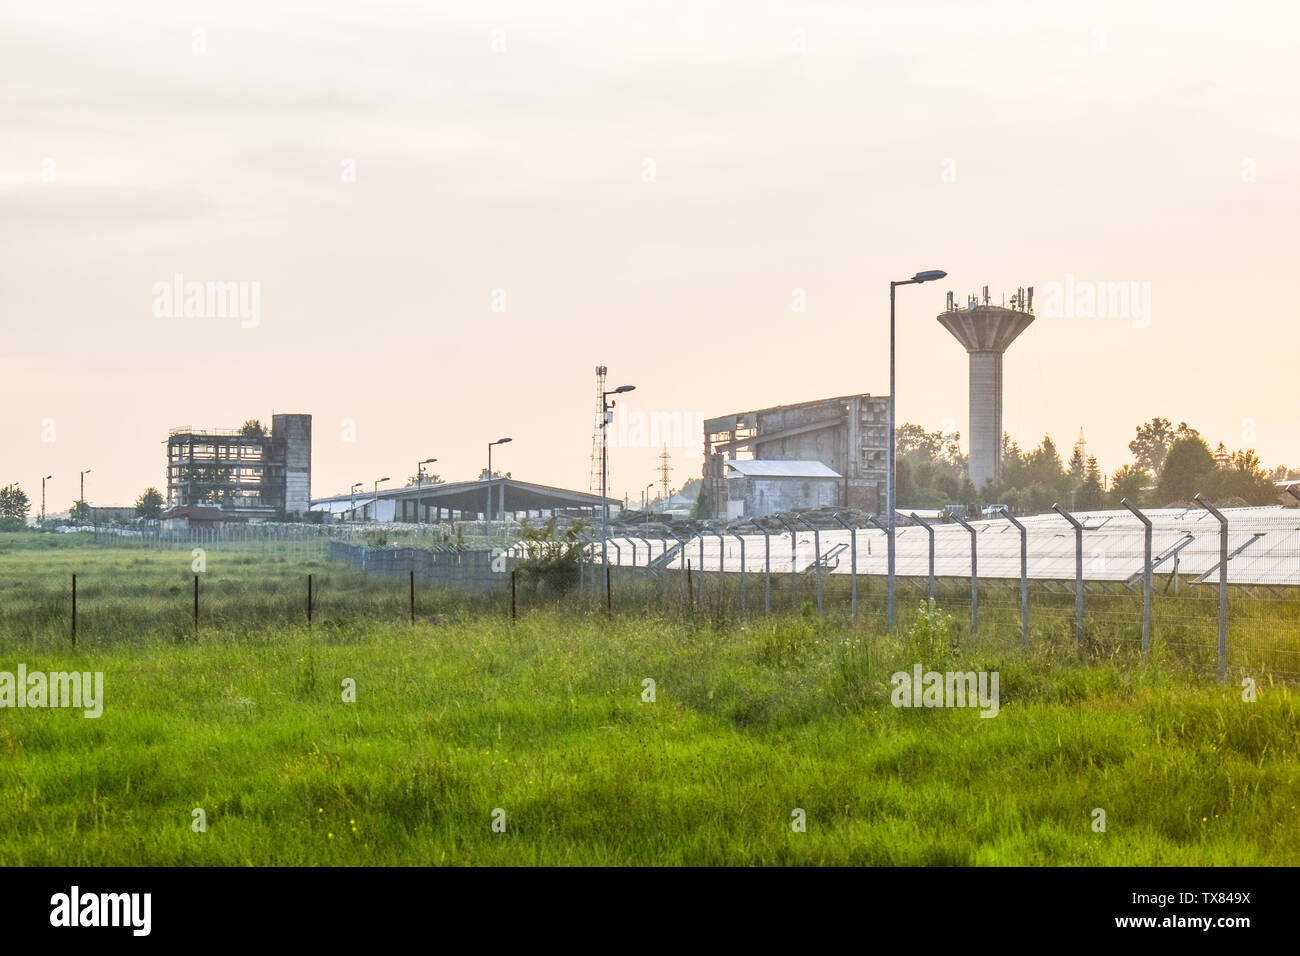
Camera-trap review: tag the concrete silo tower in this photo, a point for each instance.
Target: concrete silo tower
(985, 331)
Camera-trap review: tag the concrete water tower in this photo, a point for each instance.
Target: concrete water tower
(986, 330)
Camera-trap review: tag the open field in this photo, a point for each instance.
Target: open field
(464, 712)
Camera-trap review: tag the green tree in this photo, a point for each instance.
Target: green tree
(149, 504)
(930, 467)
(1188, 467)
(14, 505)
(1090, 494)
(1129, 482)
(1243, 477)
(550, 562)
(1154, 440)
(79, 513)
(429, 479)
(701, 511)
(1043, 467)
(253, 428)
(1076, 467)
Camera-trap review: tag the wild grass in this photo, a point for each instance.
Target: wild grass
(465, 713)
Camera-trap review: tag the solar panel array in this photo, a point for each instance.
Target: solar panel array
(1263, 544)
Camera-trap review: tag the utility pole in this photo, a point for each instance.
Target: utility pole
(664, 468)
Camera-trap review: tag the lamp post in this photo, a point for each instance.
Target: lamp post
(375, 506)
(43, 480)
(915, 280)
(352, 510)
(488, 513)
(82, 500)
(605, 406)
(419, 492)
(645, 496)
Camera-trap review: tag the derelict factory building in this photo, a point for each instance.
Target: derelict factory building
(835, 453)
(246, 475)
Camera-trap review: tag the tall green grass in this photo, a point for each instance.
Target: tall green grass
(465, 713)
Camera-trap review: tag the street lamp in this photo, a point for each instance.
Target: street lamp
(605, 406)
(43, 480)
(352, 509)
(488, 513)
(419, 491)
(375, 506)
(82, 499)
(920, 277)
(645, 502)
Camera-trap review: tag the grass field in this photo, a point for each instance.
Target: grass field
(465, 713)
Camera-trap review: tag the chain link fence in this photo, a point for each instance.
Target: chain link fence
(1060, 581)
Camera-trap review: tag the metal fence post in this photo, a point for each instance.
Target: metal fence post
(974, 576)
(930, 530)
(794, 556)
(1146, 574)
(681, 559)
(889, 540)
(767, 569)
(741, 538)
(1223, 583)
(700, 533)
(1024, 577)
(1078, 573)
(722, 567)
(853, 565)
(817, 559)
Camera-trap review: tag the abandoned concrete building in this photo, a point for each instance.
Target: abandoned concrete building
(848, 437)
(244, 472)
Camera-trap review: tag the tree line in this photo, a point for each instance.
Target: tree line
(1170, 465)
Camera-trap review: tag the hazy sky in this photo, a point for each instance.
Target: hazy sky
(643, 185)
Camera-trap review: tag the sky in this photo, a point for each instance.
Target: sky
(449, 214)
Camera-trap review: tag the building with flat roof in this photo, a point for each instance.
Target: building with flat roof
(245, 473)
(848, 435)
(756, 489)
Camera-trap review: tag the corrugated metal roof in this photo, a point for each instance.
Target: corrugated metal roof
(773, 468)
